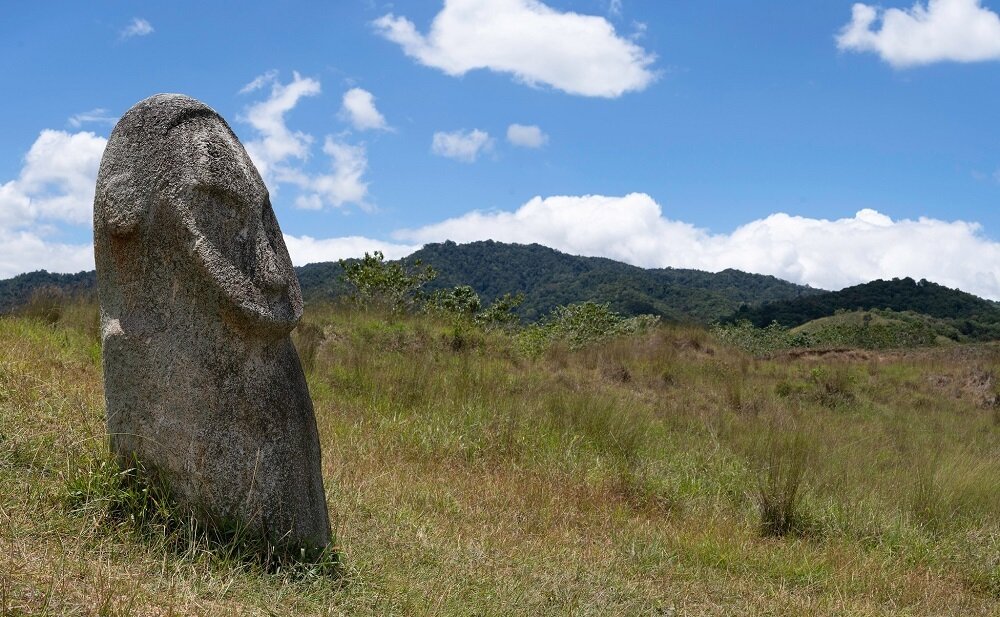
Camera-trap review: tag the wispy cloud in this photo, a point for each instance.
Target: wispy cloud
(98, 115)
(55, 186)
(137, 27)
(526, 136)
(344, 184)
(260, 81)
(464, 146)
(276, 143)
(56, 182)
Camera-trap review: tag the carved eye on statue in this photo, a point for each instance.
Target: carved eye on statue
(226, 221)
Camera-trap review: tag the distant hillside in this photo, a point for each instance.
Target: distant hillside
(549, 278)
(971, 316)
(16, 291)
(878, 329)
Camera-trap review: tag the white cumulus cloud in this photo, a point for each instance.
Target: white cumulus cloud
(359, 109)
(54, 187)
(306, 249)
(538, 45)
(941, 30)
(526, 136)
(279, 152)
(56, 182)
(276, 143)
(464, 146)
(345, 183)
(137, 27)
(25, 251)
(830, 254)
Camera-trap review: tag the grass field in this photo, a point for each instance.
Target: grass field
(656, 474)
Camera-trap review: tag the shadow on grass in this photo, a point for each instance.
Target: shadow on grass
(134, 500)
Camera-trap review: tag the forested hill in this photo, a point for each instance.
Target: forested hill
(549, 278)
(969, 314)
(16, 291)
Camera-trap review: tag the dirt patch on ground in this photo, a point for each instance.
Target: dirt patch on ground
(977, 385)
(833, 353)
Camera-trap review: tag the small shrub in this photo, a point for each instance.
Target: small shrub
(641, 489)
(758, 341)
(602, 423)
(68, 311)
(390, 286)
(579, 325)
(105, 490)
(832, 385)
(46, 304)
(500, 315)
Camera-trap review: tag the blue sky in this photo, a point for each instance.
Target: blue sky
(826, 143)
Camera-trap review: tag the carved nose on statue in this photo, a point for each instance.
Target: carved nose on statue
(272, 278)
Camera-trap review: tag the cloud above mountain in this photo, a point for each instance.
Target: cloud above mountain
(830, 254)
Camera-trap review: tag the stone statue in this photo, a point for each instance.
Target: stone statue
(198, 296)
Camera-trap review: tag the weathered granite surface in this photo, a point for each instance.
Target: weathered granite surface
(198, 298)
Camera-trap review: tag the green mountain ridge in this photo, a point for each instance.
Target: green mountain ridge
(17, 291)
(549, 278)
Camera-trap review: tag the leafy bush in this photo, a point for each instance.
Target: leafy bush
(308, 337)
(500, 314)
(46, 303)
(460, 301)
(67, 311)
(581, 324)
(759, 341)
(393, 286)
(869, 330)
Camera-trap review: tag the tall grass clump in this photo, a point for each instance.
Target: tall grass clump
(307, 337)
(780, 452)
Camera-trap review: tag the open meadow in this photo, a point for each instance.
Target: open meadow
(467, 473)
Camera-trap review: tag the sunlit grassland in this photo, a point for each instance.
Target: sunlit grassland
(658, 474)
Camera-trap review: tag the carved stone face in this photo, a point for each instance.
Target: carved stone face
(232, 234)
